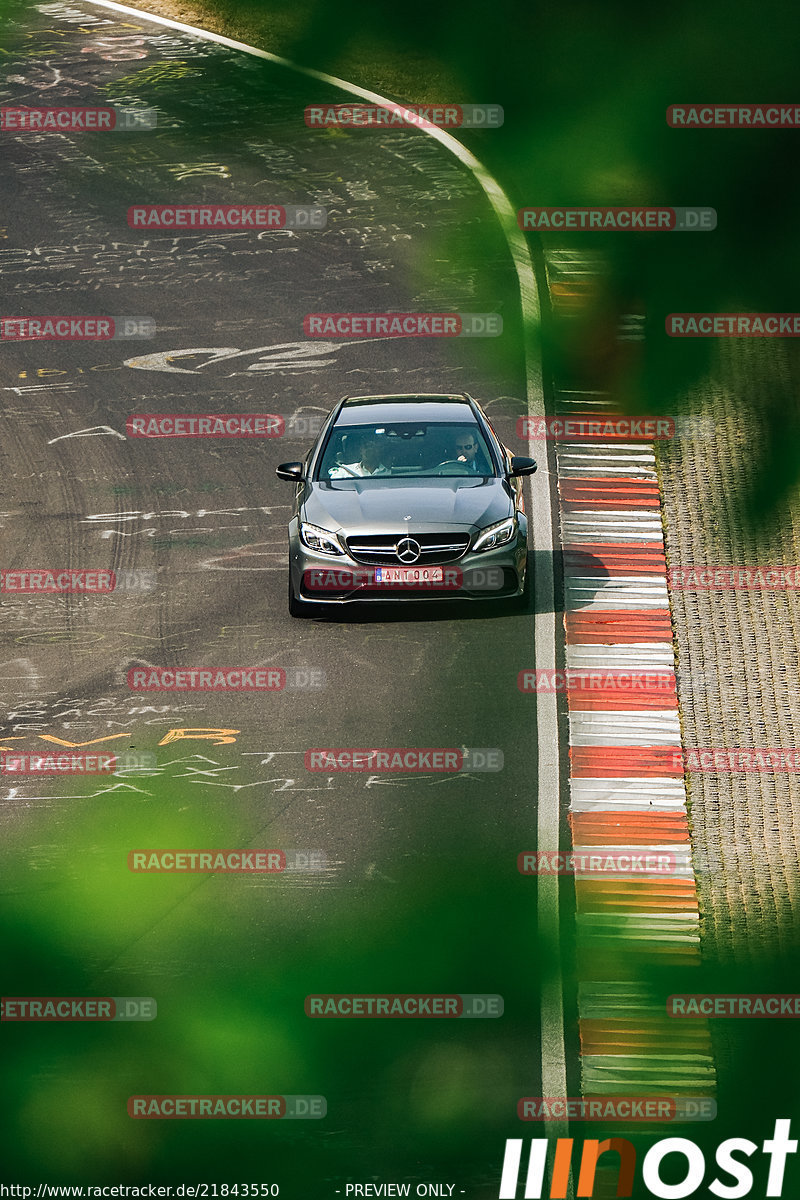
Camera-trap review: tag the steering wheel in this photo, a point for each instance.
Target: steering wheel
(452, 462)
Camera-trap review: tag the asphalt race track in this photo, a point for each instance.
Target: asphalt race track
(412, 884)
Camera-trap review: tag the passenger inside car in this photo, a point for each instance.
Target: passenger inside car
(370, 462)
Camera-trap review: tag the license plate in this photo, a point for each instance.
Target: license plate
(409, 575)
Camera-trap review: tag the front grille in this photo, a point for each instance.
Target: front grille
(379, 549)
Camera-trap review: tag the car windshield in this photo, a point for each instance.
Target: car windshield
(420, 450)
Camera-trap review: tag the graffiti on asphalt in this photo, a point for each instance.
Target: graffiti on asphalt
(288, 356)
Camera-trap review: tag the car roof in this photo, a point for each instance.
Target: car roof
(369, 410)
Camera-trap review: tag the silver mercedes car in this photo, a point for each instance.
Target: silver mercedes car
(407, 497)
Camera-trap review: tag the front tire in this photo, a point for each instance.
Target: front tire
(299, 608)
(522, 603)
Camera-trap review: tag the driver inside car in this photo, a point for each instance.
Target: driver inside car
(467, 453)
(467, 450)
(370, 463)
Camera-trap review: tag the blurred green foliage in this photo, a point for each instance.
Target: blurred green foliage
(230, 960)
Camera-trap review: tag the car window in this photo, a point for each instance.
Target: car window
(406, 449)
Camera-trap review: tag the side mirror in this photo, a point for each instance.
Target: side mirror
(522, 466)
(292, 471)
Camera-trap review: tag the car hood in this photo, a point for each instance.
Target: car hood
(387, 506)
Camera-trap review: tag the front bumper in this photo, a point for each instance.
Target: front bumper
(486, 575)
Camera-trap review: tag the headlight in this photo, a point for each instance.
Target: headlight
(319, 540)
(496, 535)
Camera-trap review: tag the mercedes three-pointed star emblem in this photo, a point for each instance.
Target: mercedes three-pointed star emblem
(407, 550)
